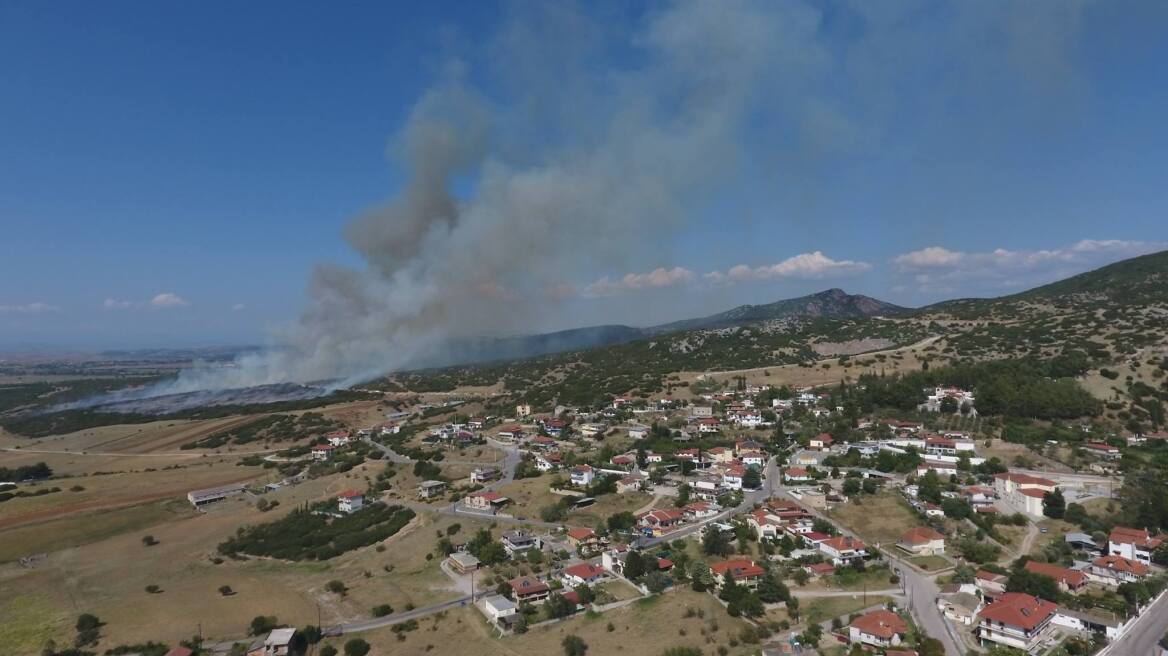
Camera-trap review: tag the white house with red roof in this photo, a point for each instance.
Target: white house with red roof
(1023, 491)
(843, 549)
(1116, 570)
(583, 475)
(701, 510)
(922, 541)
(796, 474)
(879, 628)
(823, 442)
(484, 501)
(322, 452)
(660, 521)
(1102, 450)
(582, 574)
(709, 425)
(1133, 543)
(1015, 620)
(548, 461)
(350, 501)
(743, 571)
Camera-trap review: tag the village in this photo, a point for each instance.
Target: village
(896, 537)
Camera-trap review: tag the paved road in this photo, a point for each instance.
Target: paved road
(1142, 636)
(921, 591)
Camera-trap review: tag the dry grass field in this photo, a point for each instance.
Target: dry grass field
(881, 518)
(643, 628)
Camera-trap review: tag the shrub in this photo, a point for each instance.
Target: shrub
(381, 610)
(356, 647)
(149, 540)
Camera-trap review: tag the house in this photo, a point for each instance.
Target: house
(942, 468)
(613, 559)
(529, 589)
(581, 574)
(350, 501)
(1082, 541)
(510, 433)
(430, 489)
(548, 462)
(583, 475)
(322, 452)
(390, 428)
(624, 460)
(1102, 450)
(523, 410)
(518, 541)
(732, 477)
(1068, 579)
(592, 430)
(659, 521)
(555, 427)
(338, 438)
(796, 475)
(463, 561)
(922, 541)
(1089, 623)
(1023, 491)
(483, 475)
(755, 459)
(484, 501)
(823, 442)
(580, 537)
(180, 651)
(498, 609)
(638, 432)
(628, 484)
(879, 628)
(1015, 620)
(1133, 543)
(961, 398)
(278, 643)
(990, 583)
(700, 411)
(961, 607)
(743, 571)
(709, 425)
(806, 459)
(700, 510)
(819, 569)
(720, 454)
(843, 550)
(1116, 570)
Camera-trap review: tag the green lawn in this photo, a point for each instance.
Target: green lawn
(930, 563)
(825, 608)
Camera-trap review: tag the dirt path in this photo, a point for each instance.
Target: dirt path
(649, 506)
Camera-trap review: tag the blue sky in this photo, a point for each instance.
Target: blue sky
(173, 173)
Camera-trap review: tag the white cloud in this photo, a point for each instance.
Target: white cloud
(115, 304)
(168, 300)
(37, 307)
(941, 271)
(655, 279)
(805, 266)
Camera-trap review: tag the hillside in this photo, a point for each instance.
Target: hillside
(830, 304)
(1103, 327)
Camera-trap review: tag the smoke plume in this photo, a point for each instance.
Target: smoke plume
(556, 160)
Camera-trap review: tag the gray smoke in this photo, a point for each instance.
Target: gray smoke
(576, 165)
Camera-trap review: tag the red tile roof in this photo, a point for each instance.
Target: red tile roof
(579, 533)
(1069, 577)
(527, 585)
(349, 494)
(1019, 610)
(739, 569)
(920, 535)
(584, 571)
(880, 623)
(1121, 564)
(844, 543)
